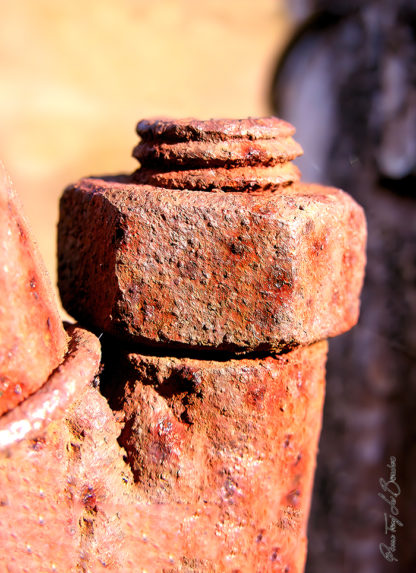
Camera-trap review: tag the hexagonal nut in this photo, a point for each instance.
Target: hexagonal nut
(227, 271)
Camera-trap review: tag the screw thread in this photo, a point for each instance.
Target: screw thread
(217, 155)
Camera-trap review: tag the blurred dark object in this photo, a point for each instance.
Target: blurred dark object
(347, 81)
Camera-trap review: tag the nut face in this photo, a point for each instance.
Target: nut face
(32, 338)
(228, 271)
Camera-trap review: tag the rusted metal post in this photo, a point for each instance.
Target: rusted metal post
(216, 275)
(32, 338)
(44, 370)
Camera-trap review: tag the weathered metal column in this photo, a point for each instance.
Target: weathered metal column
(44, 371)
(216, 277)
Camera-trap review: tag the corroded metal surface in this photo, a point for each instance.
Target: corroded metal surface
(220, 459)
(78, 368)
(192, 129)
(228, 155)
(32, 338)
(233, 440)
(244, 179)
(196, 462)
(238, 152)
(53, 485)
(222, 271)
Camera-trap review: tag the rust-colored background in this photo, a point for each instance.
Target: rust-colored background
(76, 76)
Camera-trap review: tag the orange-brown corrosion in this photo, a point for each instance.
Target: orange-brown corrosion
(229, 155)
(225, 271)
(32, 338)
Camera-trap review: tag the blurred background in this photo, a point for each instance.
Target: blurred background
(77, 76)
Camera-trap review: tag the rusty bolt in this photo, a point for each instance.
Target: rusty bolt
(214, 244)
(227, 155)
(208, 462)
(273, 264)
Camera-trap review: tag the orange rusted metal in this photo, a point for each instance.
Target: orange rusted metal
(215, 276)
